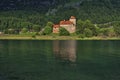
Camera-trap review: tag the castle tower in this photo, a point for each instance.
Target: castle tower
(73, 19)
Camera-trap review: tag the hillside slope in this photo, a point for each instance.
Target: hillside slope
(98, 11)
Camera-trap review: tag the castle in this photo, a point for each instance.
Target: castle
(69, 25)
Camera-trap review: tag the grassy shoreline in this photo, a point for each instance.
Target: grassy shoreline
(28, 37)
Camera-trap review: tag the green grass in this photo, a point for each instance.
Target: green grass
(49, 37)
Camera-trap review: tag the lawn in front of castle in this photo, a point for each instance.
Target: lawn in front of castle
(53, 37)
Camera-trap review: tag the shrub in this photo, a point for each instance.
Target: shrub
(11, 31)
(50, 24)
(95, 30)
(36, 28)
(88, 32)
(111, 32)
(117, 29)
(33, 36)
(24, 30)
(63, 32)
(107, 32)
(81, 36)
(47, 30)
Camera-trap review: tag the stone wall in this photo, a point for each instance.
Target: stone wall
(55, 30)
(71, 28)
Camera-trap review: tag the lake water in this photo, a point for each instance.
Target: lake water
(59, 60)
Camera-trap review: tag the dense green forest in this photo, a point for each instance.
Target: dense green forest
(32, 14)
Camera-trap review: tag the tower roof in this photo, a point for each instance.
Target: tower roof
(72, 17)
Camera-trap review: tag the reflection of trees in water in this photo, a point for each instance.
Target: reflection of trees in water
(65, 50)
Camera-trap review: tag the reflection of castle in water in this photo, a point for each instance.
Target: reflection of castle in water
(65, 50)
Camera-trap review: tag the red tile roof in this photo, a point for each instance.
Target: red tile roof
(65, 22)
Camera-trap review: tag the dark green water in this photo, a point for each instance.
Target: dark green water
(59, 60)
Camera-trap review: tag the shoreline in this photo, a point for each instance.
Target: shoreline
(28, 37)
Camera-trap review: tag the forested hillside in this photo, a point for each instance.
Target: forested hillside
(29, 13)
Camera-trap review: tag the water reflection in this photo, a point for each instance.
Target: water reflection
(65, 50)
